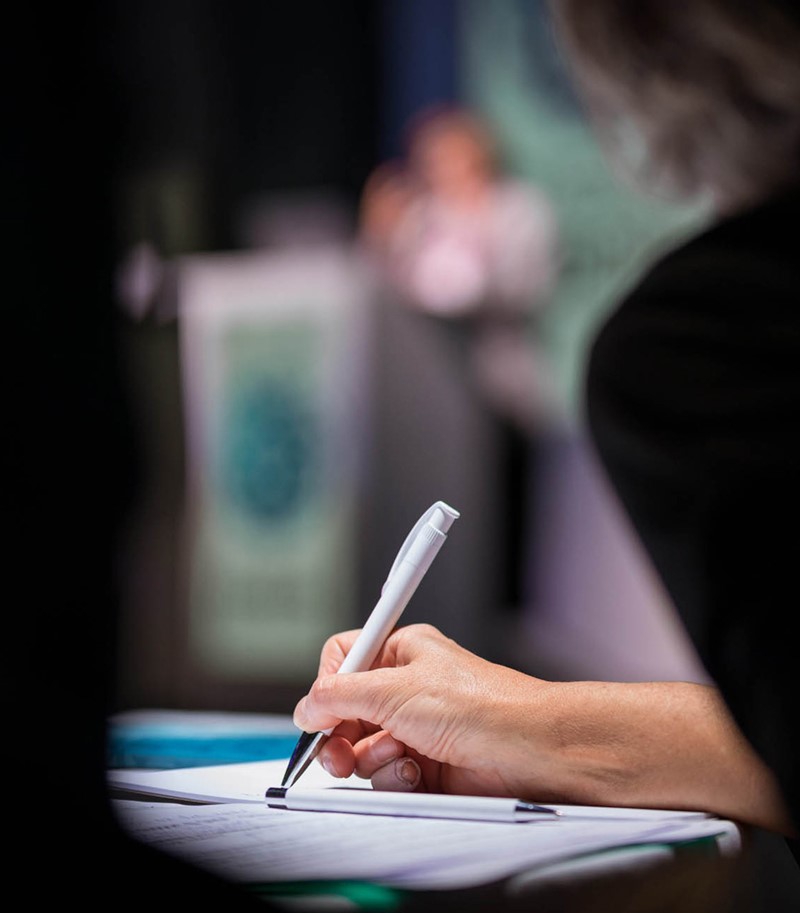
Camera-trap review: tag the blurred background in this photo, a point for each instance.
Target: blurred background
(361, 249)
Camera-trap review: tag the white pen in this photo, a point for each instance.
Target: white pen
(408, 805)
(413, 560)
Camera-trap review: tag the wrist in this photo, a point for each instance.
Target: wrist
(574, 749)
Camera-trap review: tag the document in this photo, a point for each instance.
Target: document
(217, 818)
(244, 782)
(250, 843)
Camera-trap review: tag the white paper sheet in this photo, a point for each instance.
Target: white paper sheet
(236, 835)
(245, 782)
(251, 843)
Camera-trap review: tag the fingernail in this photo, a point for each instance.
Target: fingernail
(408, 771)
(299, 717)
(385, 750)
(327, 765)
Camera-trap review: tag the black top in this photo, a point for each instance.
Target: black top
(693, 396)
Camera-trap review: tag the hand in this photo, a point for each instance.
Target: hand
(427, 699)
(473, 727)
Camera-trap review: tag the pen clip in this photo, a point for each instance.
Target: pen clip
(439, 505)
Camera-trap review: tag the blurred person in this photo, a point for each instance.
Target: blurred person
(475, 252)
(462, 242)
(693, 397)
(385, 199)
(474, 241)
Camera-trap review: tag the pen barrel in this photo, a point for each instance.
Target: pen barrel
(397, 592)
(412, 805)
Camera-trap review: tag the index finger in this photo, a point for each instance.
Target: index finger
(336, 647)
(400, 647)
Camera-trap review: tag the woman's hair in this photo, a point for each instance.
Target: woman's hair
(693, 96)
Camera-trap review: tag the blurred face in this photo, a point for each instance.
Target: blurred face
(385, 200)
(451, 160)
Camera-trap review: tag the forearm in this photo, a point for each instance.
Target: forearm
(657, 744)
(481, 728)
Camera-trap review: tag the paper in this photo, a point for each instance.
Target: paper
(249, 782)
(246, 782)
(235, 834)
(250, 843)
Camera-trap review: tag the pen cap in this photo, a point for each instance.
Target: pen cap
(441, 516)
(421, 552)
(438, 519)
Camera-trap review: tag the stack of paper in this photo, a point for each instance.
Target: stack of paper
(236, 835)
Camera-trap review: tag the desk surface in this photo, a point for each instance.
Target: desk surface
(640, 879)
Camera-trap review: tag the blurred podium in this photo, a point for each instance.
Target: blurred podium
(321, 418)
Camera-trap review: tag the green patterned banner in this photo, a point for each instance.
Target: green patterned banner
(270, 353)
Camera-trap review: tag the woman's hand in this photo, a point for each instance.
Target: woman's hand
(432, 716)
(459, 717)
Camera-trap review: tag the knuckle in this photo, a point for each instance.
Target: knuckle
(422, 631)
(331, 645)
(323, 689)
(427, 629)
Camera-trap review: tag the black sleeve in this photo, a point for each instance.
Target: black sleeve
(693, 398)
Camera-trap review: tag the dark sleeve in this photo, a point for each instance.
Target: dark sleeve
(693, 398)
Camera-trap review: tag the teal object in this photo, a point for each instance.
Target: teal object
(163, 750)
(268, 451)
(357, 894)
